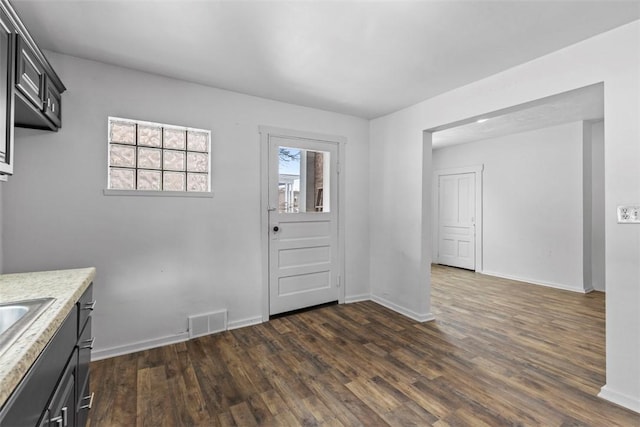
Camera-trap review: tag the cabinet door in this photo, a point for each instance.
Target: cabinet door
(86, 305)
(62, 411)
(84, 405)
(6, 95)
(52, 105)
(29, 75)
(85, 345)
(30, 400)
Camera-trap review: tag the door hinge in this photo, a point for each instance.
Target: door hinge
(339, 167)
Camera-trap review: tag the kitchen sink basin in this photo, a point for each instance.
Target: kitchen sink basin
(15, 318)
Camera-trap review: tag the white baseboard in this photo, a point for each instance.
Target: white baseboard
(426, 317)
(621, 399)
(357, 298)
(537, 282)
(138, 346)
(162, 341)
(184, 336)
(236, 324)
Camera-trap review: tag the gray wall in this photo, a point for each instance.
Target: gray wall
(401, 238)
(597, 207)
(160, 259)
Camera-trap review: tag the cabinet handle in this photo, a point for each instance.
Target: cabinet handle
(57, 420)
(90, 401)
(61, 419)
(48, 102)
(89, 343)
(53, 108)
(90, 305)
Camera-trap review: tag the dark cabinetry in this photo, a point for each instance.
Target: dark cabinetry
(85, 345)
(61, 411)
(52, 103)
(55, 391)
(7, 42)
(29, 74)
(30, 90)
(37, 96)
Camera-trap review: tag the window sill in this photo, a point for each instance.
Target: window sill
(142, 193)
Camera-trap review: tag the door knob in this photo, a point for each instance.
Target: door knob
(276, 228)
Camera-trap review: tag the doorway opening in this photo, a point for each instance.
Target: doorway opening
(543, 172)
(542, 192)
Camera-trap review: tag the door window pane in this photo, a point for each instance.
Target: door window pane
(303, 184)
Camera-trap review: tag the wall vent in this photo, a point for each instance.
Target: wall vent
(207, 323)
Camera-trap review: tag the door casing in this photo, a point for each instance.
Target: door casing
(265, 133)
(477, 170)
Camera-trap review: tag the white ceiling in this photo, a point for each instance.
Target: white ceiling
(361, 58)
(576, 105)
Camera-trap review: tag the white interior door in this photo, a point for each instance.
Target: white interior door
(456, 220)
(303, 223)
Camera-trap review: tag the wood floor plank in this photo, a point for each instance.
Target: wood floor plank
(242, 415)
(500, 352)
(125, 375)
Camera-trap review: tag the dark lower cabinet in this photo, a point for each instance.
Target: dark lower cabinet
(61, 412)
(84, 395)
(55, 392)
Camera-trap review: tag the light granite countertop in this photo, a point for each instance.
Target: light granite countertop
(66, 286)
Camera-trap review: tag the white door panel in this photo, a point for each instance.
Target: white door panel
(303, 234)
(456, 220)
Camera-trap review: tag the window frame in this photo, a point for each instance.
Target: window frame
(135, 168)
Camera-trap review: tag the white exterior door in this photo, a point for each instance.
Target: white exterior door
(303, 223)
(456, 220)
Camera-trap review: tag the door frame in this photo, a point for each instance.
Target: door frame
(265, 133)
(477, 170)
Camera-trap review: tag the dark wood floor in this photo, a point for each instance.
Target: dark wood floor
(499, 353)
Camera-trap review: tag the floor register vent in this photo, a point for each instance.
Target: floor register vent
(207, 323)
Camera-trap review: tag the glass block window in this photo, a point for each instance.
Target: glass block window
(157, 157)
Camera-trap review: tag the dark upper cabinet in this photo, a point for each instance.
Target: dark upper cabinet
(52, 103)
(7, 38)
(30, 75)
(30, 90)
(38, 103)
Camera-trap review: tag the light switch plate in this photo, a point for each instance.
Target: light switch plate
(628, 214)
